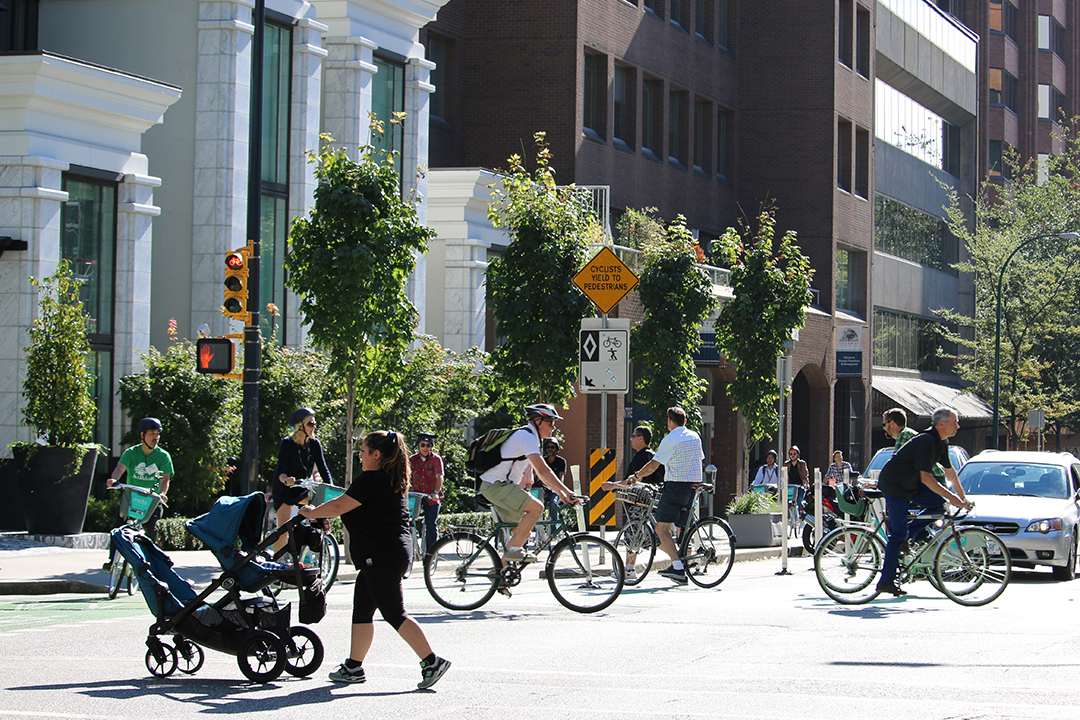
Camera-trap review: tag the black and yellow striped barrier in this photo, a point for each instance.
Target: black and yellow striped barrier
(602, 502)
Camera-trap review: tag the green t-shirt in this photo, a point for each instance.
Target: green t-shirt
(144, 470)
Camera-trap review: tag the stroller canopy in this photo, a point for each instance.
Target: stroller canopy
(233, 522)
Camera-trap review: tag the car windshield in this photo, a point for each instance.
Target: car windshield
(957, 456)
(988, 478)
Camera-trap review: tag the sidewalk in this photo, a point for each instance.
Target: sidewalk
(32, 567)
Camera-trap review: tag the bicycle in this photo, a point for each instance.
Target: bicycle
(141, 504)
(417, 529)
(464, 570)
(969, 565)
(706, 546)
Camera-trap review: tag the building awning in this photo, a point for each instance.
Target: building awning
(922, 398)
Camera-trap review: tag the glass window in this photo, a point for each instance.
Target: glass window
(847, 280)
(274, 203)
(722, 18)
(998, 167)
(436, 53)
(592, 97)
(845, 21)
(651, 116)
(1002, 87)
(843, 154)
(909, 233)
(676, 132)
(1003, 17)
(387, 98)
(701, 134)
(1043, 168)
(906, 341)
(88, 242)
(907, 125)
(679, 15)
(622, 89)
(702, 20)
(19, 25)
(862, 41)
(723, 134)
(1043, 32)
(862, 162)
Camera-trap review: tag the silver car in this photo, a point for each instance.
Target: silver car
(1029, 499)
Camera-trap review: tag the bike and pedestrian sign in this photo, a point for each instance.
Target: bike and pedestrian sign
(604, 354)
(605, 280)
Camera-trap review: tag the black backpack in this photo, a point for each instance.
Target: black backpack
(485, 452)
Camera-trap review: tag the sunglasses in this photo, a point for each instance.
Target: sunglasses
(425, 444)
(310, 423)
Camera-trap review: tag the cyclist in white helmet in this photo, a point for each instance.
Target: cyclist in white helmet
(506, 486)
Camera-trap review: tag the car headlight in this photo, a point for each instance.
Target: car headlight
(1045, 526)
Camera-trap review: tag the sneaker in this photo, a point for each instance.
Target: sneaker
(676, 576)
(431, 673)
(518, 556)
(892, 589)
(345, 674)
(631, 573)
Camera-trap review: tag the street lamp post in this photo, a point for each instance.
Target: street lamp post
(997, 323)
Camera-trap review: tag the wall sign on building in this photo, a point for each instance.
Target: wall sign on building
(849, 360)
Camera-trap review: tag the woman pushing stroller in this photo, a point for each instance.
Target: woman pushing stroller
(298, 457)
(375, 511)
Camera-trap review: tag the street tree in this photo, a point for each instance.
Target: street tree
(770, 279)
(677, 297)
(349, 262)
(536, 306)
(1039, 292)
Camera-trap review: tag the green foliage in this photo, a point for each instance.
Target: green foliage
(200, 417)
(677, 298)
(58, 379)
(349, 261)
(1040, 290)
(640, 228)
(753, 503)
(536, 306)
(770, 279)
(291, 378)
(102, 515)
(172, 534)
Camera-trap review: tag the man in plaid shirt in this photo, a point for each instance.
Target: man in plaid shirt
(427, 478)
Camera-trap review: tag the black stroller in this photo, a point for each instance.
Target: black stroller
(257, 629)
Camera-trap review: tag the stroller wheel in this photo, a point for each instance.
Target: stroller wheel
(189, 655)
(160, 658)
(262, 656)
(305, 653)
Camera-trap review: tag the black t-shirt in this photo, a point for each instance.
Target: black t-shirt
(295, 460)
(902, 475)
(379, 528)
(641, 459)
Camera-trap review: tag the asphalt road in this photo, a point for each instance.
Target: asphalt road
(760, 646)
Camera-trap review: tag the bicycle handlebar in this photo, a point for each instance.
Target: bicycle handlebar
(140, 490)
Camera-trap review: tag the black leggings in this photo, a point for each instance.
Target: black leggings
(378, 586)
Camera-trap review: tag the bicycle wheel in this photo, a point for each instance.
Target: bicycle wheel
(412, 558)
(847, 563)
(708, 552)
(973, 566)
(462, 572)
(585, 573)
(638, 539)
(118, 574)
(329, 561)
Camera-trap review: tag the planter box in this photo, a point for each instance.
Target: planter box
(54, 485)
(754, 531)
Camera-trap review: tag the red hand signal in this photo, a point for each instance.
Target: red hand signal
(205, 356)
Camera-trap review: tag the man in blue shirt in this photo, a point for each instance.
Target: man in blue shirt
(908, 479)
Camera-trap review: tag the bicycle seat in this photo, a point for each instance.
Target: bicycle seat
(703, 486)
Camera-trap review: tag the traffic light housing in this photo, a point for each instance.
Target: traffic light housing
(236, 285)
(214, 356)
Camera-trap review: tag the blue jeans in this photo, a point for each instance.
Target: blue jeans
(431, 530)
(928, 502)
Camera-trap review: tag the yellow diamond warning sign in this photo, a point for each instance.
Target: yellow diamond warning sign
(605, 280)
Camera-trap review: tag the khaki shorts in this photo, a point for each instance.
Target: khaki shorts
(509, 499)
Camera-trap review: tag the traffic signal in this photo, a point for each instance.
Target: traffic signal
(214, 356)
(236, 285)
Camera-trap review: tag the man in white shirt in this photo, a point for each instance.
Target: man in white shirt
(681, 455)
(506, 486)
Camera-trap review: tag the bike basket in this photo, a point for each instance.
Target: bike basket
(641, 495)
(850, 501)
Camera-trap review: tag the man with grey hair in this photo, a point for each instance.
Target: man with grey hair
(907, 480)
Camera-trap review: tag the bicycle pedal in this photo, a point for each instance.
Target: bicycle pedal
(503, 590)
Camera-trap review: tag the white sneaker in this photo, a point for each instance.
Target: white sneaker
(631, 573)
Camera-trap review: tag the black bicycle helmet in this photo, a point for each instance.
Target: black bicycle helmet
(147, 424)
(299, 414)
(542, 410)
(425, 437)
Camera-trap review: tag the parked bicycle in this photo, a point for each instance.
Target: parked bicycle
(140, 503)
(706, 546)
(969, 565)
(464, 570)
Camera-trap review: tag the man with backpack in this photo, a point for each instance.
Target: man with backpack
(505, 485)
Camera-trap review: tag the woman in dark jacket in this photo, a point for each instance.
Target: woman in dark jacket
(375, 511)
(298, 457)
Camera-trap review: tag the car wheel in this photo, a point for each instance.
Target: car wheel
(1068, 571)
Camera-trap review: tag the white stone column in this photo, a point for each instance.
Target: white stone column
(414, 160)
(30, 209)
(221, 152)
(131, 318)
(465, 305)
(347, 75)
(308, 56)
